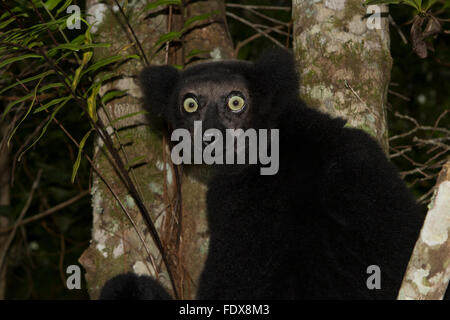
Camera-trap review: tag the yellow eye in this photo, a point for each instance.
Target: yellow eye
(236, 103)
(190, 105)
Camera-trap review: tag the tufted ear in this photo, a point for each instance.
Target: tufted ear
(157, 84)
(277, 72)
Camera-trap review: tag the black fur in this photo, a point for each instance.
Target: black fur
(336, 206)
(130, 286)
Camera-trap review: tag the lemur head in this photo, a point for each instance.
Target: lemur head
(227, 94)
(224, 95)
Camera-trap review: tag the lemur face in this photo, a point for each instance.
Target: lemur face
(218, 103)
(227, 94)
(224, 96)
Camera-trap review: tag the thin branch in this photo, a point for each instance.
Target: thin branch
(132, 32)
(50, 211)
(395, 93)
(257, 7)
(400, 32)
(19, 219)
(232, 15)
(24, 145)
(253, 37)
(264, 27)
(259, 14)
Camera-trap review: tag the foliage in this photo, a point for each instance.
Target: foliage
(419, 5)
(50, 93)
(427, 12)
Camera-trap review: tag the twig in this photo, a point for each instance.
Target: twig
(417, 127)
(253, 37)
(25, 144)
(399, 153)
(399, 95)
(50, 211)
(257, 7)
(392, 22)
(259, 14)
(232, 15)
(264, 27)
(443, 114)
(133, 33)
(19, 219)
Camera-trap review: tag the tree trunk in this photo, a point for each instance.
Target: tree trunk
(344, 66)
(428, 271)
(116, 245)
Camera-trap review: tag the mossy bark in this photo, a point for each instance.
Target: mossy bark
(116, 246)
(344, 66)
(428, 272)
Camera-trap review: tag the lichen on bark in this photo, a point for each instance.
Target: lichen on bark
(344, 66)
(428, 271)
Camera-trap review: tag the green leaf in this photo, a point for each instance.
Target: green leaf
(109, 60)
(20, 58)
(39, 76)
(77, 47)
(64, 7)
(76, 165)
(200, 17)
(51, 86)
(13, 103)
(430, 3)
(52, 103)
(168, 37)
(91, 103)
(104, 78)
(26, 114)
(411, 3)
(78, 40)
(128, 116)
(76, 78)
(31, 94)
(112, 94)
(135, 161)
(5, 23)
(86, 58)
(157, 3)
(44, 129)
(63, 56)
(87, 35)
(195, 52)
(5, 15)
(34, 44)
(52, 4)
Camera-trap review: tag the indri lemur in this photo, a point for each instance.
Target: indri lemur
(335, 207)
